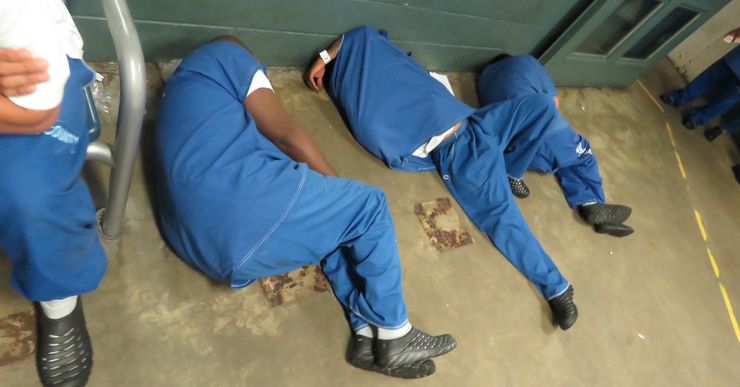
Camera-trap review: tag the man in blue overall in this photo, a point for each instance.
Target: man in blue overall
(48, 227)
(403, 116)
(243, 193)
(564, 153)
(722, 78)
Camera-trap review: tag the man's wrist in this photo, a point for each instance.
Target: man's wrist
(325, 57)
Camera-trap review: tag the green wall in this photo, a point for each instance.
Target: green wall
(443, 35)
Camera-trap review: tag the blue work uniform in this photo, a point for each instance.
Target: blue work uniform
(393, 106)
(722, 79)
(48, 226)
(564, 153)
(234, 206)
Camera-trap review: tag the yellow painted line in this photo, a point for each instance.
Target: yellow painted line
(670, 133)
(731, 312)
(714, 263)
(655, 101)
(701, 225)
(680, 164)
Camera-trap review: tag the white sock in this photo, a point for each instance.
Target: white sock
(390, 334)
(366, 331)
(588, 204)
(56, 309)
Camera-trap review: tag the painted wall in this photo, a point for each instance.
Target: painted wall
(442, 34)
(705, 45)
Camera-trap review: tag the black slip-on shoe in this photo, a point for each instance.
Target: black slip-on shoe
(360, 355)
(688, 122)
(712, 133)
(564, 309)
(413, 347)
(518, 188)
(617, 230)
(599, 213)
(736, 172)
(667, 99)
(64, 355)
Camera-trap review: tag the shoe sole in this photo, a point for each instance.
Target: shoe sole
(417, 370)
(442, 351)
(614, 214)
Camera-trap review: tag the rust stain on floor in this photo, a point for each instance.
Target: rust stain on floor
(291, 286)
(442, 224)
(17, 337)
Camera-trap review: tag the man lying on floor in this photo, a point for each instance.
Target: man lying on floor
(563, 152)
(402, 115)
(243, 193)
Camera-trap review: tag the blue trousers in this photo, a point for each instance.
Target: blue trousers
(472, 166)
(718, 78)
(568, 156)
(47, 219)
(347, 227)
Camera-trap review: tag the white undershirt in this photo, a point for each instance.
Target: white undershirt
(45, 28)
(425, 149)
(259, 81)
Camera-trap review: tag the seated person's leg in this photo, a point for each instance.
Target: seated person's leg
(476, 177)
(713, 76)
(724, 99)
(49, 232)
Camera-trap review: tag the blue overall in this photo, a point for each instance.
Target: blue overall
(564, 153)
(393, 106)
(234, 206)
(723, 79)
(48, 226)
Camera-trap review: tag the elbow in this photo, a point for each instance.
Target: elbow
(35, 121)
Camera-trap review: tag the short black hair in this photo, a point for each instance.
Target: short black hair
(498, 58)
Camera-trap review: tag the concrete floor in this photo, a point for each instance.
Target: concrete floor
(651, 309)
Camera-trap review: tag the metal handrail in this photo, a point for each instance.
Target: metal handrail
(130, 114)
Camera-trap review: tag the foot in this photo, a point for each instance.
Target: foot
(688, 122)
(599, 213)
(712, 133)
(564, 309)
(617, 230)
(360, 355)
(736, 172)
(518, 188)
(413, 347)
(63, 349)
(667, 99)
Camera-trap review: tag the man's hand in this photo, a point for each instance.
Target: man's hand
(20, 72)
(733, 36)
(315, 75)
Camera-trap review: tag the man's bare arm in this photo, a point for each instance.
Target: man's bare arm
(275, 123)
(17, 120)
(20, 72)
(315, 75)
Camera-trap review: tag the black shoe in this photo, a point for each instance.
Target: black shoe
(411, 348)
(736, 172)
(63, 349)
(712, 133)
(599, 213)
(667, 99)
(360, 355)
(518, 188)
(564, 309)
(617, 230)
(688, 122)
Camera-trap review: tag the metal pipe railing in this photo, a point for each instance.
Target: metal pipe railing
(130, 114)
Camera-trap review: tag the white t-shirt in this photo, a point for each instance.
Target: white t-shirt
(45, 28)
(259, 81)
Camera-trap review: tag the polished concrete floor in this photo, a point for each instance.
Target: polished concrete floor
(652, 312)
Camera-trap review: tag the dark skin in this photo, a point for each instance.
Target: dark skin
(275, 123)
(19, 74)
